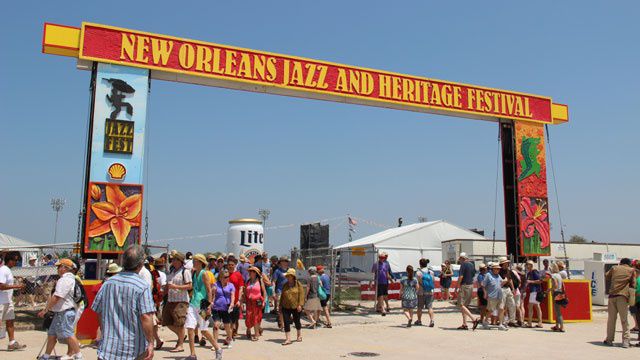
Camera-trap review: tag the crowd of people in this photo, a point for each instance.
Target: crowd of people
(206, 300)
(504, 289)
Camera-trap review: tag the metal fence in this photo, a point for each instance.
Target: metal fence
(36, 270)
(352, 282)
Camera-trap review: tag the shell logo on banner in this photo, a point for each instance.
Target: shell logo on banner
(117, 171)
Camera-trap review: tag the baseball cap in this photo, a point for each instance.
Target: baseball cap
(65, 262)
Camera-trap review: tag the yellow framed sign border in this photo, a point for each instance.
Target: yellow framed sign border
(440, 111)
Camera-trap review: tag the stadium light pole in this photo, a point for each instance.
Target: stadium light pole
(56, 204)
(264, 215)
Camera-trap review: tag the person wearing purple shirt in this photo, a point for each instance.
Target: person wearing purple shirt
(224, 298)
(243, 267)
(382, 271)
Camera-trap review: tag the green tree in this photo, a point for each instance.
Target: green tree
(577, 239)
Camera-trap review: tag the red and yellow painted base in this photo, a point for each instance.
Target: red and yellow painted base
(87, 328)
(579, 308)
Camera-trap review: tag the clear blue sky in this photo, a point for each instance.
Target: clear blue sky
(218, 154)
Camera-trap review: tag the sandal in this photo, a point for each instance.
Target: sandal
(286, 343)
(539, 326)
(159, 346)
(254, 338)
(299, 339)
(328, 326)
(463, 327)
(176, 350)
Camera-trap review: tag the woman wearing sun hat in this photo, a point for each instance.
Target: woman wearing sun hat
(312, 306)
(199, 305)
(291, 303)
(254, 297)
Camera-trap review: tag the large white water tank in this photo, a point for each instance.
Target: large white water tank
(245, 236)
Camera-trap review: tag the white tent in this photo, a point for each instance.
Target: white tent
(405, 246)
(9, 243)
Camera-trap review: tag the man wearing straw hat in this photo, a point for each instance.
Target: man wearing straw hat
(508, 299)
(492, 285)
(175, 310)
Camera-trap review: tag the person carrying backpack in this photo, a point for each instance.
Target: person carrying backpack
(64, 304)
(425, 291)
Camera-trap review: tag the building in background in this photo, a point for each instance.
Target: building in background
(576, 253)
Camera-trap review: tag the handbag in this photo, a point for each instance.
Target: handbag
(560, 298)
(48, 319)
(540, 295)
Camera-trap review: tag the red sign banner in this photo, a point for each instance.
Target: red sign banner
(302, 77)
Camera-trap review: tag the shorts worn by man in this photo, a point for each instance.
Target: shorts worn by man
(467, 273)
(62, 325)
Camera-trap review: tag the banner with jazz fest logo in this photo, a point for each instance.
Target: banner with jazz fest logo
(119, 121)
(114, 217)
(533, 205)
(117, 138)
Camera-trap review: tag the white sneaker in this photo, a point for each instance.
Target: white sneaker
(219, 354)
(77, 356)
(503, 328)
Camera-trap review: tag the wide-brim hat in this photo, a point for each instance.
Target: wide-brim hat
(114, 268)
(495, 266)
(503, 260)
(159, 262)
(463, 255)
(291, 272)
(284, 258)
(482, 266)
(178, 256)
(254, 269)
(530, 262)
(201, 258)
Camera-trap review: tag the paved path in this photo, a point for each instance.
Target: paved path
(388, 337)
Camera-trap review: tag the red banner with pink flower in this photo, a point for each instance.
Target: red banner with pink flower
(533, 205)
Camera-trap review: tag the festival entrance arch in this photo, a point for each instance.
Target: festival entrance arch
(122, 63)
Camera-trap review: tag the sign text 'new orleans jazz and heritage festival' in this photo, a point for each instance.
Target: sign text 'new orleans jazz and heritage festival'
(133, 48)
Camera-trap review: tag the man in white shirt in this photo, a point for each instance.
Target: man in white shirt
(6, 298)
(64, 308)
(174, 313)
(145, 274)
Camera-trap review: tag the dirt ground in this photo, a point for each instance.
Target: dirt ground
(389, 338)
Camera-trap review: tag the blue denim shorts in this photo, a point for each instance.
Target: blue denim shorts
(62, 324)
